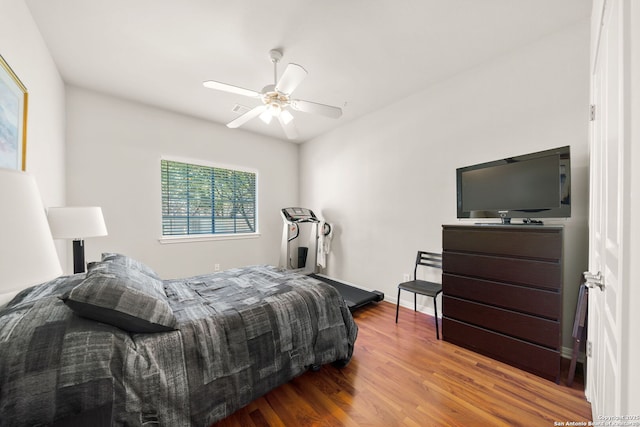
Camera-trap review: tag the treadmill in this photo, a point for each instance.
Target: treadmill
(295, 220)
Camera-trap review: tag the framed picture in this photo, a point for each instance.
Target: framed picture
(13, 119)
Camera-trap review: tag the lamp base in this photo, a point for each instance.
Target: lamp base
(78, 256)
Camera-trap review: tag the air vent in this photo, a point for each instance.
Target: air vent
(240, 109)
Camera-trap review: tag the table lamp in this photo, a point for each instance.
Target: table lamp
(77, 223)
(27, 253)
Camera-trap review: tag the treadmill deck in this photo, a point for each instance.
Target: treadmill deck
(354, 297)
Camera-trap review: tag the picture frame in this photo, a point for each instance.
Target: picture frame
(13, 119)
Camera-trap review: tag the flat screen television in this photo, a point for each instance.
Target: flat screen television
(536, 185)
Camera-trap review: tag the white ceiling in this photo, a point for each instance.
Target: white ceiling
(360, 54)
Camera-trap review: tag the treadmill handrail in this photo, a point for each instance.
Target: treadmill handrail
(314, 220)
(294, 237)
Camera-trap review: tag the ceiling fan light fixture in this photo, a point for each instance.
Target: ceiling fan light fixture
(275, 109)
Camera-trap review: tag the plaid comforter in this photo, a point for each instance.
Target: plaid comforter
(239, 334)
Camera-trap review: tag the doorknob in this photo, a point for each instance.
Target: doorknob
(593, 280)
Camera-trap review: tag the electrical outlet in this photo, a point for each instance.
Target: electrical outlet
(216, 267)
(589, 349)
(406, 277)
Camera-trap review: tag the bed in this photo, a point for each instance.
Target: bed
(120, 346)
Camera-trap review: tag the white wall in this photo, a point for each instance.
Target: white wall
(387, 180)
(113, 161)
(22, 46)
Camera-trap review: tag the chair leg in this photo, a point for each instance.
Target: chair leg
(435, 309)
(398, 305)
(415, 302)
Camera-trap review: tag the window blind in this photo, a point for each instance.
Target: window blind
(199, 199)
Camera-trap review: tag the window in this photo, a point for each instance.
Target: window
(199, 200)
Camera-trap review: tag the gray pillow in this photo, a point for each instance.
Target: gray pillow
(122, 296)
(129, 262)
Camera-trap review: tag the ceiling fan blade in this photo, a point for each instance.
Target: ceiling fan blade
(288, 127)
(291, 78)
(239, 121)
(212, 84)
(314, 107)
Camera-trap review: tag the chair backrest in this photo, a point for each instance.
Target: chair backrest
(427, 259)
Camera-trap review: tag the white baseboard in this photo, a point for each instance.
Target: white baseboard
(422, 308)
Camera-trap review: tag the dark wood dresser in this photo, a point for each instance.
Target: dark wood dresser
(502, 293)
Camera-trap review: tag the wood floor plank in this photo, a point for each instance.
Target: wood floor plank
(401, 375)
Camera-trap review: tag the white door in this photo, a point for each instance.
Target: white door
(609, 145)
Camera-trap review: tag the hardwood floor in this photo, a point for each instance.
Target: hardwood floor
(400, 375)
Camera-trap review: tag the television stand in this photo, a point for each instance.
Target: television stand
(502, 293)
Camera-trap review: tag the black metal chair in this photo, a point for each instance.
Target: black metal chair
(423, 287)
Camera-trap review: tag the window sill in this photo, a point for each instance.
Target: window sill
(206, 238)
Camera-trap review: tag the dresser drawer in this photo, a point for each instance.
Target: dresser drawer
(530, 357)
(542, 243)
(529, 272)
(538, 302)
(533, 329)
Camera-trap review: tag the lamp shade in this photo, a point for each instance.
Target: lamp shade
(27, 253)
(76, 222)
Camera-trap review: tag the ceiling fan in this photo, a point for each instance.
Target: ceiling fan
(276, 98)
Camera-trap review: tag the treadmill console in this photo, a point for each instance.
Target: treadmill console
(299, 215)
